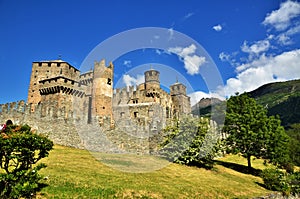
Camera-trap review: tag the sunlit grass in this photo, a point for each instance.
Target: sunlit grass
(74, 173)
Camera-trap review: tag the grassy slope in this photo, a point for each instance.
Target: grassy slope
(74, 173)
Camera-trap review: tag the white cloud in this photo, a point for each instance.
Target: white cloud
(224, 56)
(281, 19)
(133, 81)
(192, 62)
(188, 15)
(159, 52)
(217, 28)
(264, 70)
(256, 48)
(127, 63)
(198, 95)
(171, 33)
(285, 37)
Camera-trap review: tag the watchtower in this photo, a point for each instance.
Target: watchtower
(152, 83)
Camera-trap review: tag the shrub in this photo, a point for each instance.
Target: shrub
(191, 141)
(20, 150)
(277, 180)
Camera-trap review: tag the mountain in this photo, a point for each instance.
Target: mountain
(280, 98)
(203, 107)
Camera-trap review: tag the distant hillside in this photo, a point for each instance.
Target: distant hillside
(280, 98)
(203, 107)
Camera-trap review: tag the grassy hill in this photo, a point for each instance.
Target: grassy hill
(74, 173)
(280, 98)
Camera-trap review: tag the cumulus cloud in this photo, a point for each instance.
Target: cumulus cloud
(198, 95)
(188, 15)
(282, 18)
(127, 63)
(264, 70)
(256, 48)
(285, 37)
(192, 62)
(133, 81)
(218, 28)
(171, 33)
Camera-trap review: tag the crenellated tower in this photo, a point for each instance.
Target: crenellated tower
(152, 84)
(102, 89)
(181, 102)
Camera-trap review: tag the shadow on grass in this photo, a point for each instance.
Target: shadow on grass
(240, 168)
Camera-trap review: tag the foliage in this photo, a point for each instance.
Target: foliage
(277, 180)
(280, 98)
(20, 150)
(252, 133)
(294, 147)
(191, 141)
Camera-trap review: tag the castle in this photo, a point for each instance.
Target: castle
(60, 94)
(58, 84)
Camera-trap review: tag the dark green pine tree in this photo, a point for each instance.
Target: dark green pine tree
(250, 132)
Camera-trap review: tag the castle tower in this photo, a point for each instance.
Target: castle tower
(102, 90)
(152, 83)
(45, 79)
(181, 102)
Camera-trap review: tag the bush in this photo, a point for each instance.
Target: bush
(277, 180)
(191, 141)
(20, 150)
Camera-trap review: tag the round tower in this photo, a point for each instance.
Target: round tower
(152, 83)
(152, 79)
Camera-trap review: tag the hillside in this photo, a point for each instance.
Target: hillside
(280, 98)
(74, 173)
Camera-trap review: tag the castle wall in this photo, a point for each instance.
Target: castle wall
(61, 102)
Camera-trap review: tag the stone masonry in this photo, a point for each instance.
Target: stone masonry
(83, 110)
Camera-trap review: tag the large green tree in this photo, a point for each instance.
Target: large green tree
(251, 133)
(294, 133)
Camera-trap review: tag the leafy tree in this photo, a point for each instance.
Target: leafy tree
(20, 150)
(294, 133)
(191, 141)
(252, 133)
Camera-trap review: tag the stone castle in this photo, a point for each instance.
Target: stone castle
(60, 94)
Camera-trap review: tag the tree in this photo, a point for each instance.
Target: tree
(191, 141)
(20, 150)
(294, 133)
(252, 133)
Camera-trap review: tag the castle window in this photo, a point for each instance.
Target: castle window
(34, 83)
(72, 83)
(136, 114)
(40, 64)
(34, 76)
(58, 64)
(32, 90)
(66, 80)
(109, 81)
(103, 107)
(49, 64)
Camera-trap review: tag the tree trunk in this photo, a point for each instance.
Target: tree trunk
(249, 162)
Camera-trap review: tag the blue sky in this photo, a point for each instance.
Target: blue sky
(250, 42)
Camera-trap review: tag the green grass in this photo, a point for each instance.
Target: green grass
(74, 173)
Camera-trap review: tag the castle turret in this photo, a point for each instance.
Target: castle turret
(181, 102)
(152, 83)
(102, 89)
